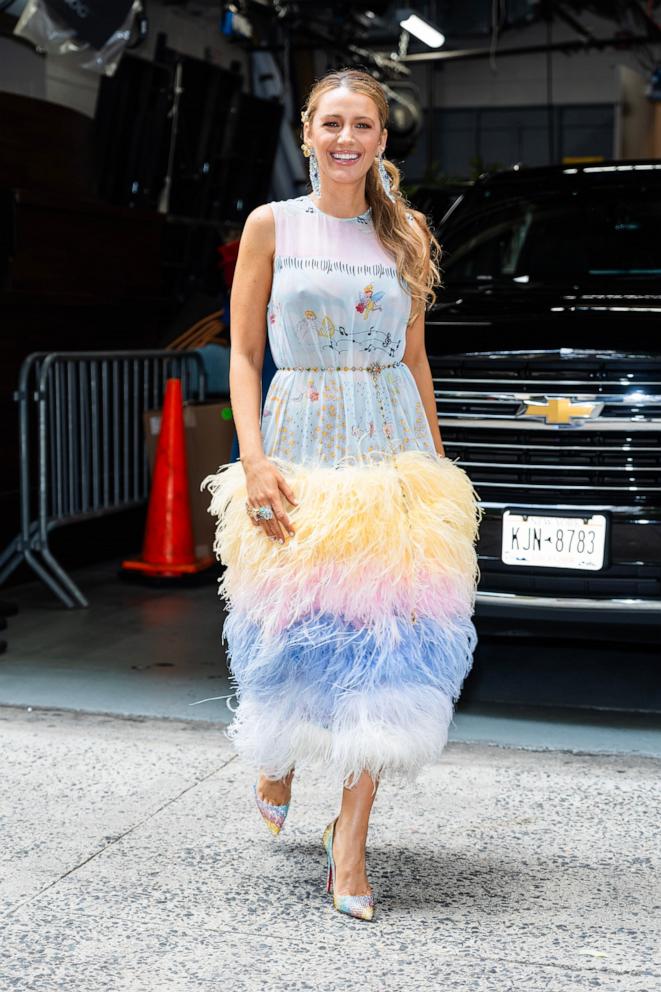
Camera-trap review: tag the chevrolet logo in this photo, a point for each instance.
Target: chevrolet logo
(559, 410)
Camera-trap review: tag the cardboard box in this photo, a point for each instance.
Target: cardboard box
(209, 431)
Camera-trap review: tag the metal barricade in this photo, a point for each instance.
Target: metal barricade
(81, 426)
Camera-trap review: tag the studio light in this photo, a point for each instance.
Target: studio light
(422, 30)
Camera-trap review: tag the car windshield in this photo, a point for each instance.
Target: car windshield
(603, 234)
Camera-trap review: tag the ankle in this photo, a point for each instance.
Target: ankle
(275, 791)
(350, 828)
(351, 841)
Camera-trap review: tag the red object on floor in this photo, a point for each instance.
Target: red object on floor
(168, 549)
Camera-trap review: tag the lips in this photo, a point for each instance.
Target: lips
(345, 158)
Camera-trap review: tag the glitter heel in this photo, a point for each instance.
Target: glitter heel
(273, 814)
(361, 907)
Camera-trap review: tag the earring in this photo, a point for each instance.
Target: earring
(314, 173)
(384, 177)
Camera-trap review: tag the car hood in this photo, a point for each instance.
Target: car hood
(494, 317)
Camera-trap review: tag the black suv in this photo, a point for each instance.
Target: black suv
(545, 349)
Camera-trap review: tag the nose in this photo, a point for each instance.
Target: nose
(345, 136)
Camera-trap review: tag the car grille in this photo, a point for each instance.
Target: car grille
(621, 581)
(612, 460)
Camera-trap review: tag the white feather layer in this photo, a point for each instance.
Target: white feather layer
(396, 732)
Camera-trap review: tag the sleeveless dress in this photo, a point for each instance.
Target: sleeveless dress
(349, 643)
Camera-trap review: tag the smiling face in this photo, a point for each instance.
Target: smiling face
(346, 135)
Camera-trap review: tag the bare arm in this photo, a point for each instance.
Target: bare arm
(415, 357)
(251, 289)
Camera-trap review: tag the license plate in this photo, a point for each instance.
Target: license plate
(553, 541)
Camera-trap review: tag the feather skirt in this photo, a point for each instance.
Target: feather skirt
(348, 644)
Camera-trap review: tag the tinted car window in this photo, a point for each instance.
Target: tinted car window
(595, 234)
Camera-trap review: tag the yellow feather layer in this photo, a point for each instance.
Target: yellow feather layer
(415, 513)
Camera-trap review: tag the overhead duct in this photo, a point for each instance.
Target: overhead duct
(93, 33)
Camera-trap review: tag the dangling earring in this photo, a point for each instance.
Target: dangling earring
(314, 173)
(384, 177)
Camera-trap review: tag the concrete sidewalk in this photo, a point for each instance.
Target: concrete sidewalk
(133, 858)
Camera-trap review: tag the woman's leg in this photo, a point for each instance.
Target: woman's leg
(350, 838)
(276, 791)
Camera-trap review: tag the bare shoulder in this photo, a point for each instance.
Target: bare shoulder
(259, 230)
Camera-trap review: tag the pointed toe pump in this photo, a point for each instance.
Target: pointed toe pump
(273, 814)
(361, 907)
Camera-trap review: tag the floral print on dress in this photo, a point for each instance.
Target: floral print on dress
(338, 305)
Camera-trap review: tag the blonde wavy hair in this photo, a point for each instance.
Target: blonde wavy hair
(419, 272)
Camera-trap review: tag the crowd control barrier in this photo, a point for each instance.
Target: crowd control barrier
(81, 439)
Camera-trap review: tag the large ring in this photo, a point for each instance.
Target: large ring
(260, 512)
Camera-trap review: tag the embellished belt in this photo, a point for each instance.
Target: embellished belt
(374, 368)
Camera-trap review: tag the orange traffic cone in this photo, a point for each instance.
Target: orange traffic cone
(168, 548)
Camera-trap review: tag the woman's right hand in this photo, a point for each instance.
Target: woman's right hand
(265, 486)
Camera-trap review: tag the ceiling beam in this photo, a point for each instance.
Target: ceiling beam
(463, 54)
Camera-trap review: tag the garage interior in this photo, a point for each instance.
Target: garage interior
(136, 138)
(125, 187)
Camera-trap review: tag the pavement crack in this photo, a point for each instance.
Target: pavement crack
(116, 840)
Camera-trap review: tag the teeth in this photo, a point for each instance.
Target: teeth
(348, 156)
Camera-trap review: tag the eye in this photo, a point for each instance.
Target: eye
(360, 124)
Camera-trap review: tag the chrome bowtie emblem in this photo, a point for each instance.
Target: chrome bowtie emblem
(559, 410)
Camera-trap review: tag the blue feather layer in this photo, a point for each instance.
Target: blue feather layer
(322, 658)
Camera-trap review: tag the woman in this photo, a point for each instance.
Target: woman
(350, 596)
